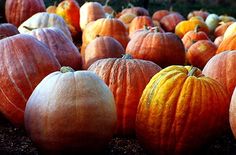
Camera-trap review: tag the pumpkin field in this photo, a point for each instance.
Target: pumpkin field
(117, 77)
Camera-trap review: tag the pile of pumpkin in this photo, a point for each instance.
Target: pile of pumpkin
(134, 76)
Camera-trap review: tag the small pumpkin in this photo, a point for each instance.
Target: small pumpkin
(17, 11)
(101, 48)
(62, 118)
(220, 30)
(221, 67)
(179, 110)
(212, 21)
(159, 14)
(127, 19)
(123, 76)
(163, 49)
(218, 40)
(200, 13)
(140, 22)
(7, 29)
(169, 22)
(21, 70)
(200, 53)
(138, 11)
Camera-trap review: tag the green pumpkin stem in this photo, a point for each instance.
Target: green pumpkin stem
(192, 71)
(106, 3)
(29, 28)
(127, 56)
(66, 69)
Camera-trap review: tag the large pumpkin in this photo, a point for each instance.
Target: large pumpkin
(7, 30)
(162, 48)
(180, 111)
(123, 76)
(105, 27)
(71, 112)
(44, 19)
(100, 48)
(221, 67)
(63, 48)
(17, 11)
(25, 61)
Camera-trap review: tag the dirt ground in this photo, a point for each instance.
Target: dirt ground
(15, 141)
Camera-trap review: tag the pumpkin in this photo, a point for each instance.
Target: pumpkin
(231, 30)
(200, 13)
(159, 14)
(123, 75)
(169, 22)
(228, 43)
(218, 40)
(105, 27)
(163, 49)
(193, 36)
(138, 11)
(139, 22)
(63, 48)
(44, 19)
(69, 10)
(90, 11)
(200, 53)
(107, 8)
(188, 25)
(226, 18)
(221, 67)
(232, 111)
(21, 70)
(212, 21)
(100, 48)
(62, 118)
(220, 30)
(17, 11)
(7, 29)
(127, 19)
(180, 110)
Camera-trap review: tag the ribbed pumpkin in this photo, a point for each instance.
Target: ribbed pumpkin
(25, 61)
(7, 29)
(100, 48)
(123, 76)
(71, 113)
(180, 111)
(228, 43)
(170, 21)
(221, 67)
(44, 19)
(200, 53)
(140, 22)
(17, 11)
(63, 48)
(90, 11)
(232, 112)
(105, 27)
(193, 36)
(162, 48)
(220, 30)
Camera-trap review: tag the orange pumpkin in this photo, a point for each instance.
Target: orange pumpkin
(162, 48)
(200, 13)
(220, 30)
(139, 11)
(221, 67)
(200, 53)
(169, 22)
(159, 14)
(180, 110)
(123, 76)
(228, 43)
(139, 22)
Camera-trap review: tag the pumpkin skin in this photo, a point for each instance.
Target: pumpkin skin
(100, 48)
(221, 67)
(122, 76)
(7, 30)
(105, 27)
(212, 21)
(69, 10)
(44, 19)
(159, 14)
(140, 22)
(232, 111)
(90, 11)
(231, 30)
(200, 53)
(127, 19)
(138, 11)
(63, 118)
(200, 13)
(63, 48)
(228, 43)
(218, 40)
(193, 36)
(163, 49)
(169, 22)
(176, 114)
(17, 11)
(21, 70)
(220, 30)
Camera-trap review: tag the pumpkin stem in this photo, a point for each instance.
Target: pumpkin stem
(66, 69)
(192, 71)
(130, 5)
(146, 27)
(106, 3)
(29, 28)
(127, 56)
(196, 29)
(171, 9)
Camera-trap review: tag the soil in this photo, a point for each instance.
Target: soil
(14, 141)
